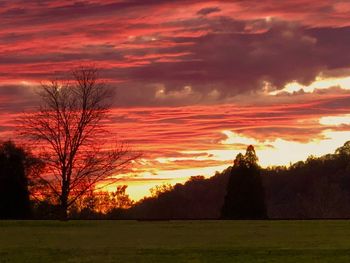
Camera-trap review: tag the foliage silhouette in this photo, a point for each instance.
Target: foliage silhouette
(160, 189)
(315, 188)
(198, 198)
(245, 194)
(14, 194)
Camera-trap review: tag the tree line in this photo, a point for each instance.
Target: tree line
(71, 159)
(316, 188)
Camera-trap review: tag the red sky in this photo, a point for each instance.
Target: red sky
(195, 81)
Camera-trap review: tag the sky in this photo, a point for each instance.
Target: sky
(195, 81)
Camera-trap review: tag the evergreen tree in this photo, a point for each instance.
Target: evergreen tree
(245, 194)
(14, 195)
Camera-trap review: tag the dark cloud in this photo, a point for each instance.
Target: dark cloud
(234, 63)
(160, 55)
(208, 10)
(86, 52)
(16, 98)
(43, 12)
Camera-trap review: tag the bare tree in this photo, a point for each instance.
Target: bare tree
(68, 127)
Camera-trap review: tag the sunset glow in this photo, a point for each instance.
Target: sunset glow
(195, 81)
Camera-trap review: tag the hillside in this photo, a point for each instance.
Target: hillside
(315, 188)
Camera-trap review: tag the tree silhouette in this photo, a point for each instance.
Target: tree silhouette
(103, 201)
(160, 189)
(245, 194)
(14, 195)
(315, 188)
(68, 127)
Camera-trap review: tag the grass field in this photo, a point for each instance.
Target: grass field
(175, 241)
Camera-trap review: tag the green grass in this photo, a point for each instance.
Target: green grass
(175, 241)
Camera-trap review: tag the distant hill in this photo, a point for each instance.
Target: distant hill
(316, 188)
(197, 198)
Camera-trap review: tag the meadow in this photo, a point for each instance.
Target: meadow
(175, 241)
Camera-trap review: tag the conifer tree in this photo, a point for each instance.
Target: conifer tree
(245, 193)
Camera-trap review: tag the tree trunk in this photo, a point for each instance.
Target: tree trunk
(63, 213)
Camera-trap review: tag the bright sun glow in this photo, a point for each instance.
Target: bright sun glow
(270, 152)
(343, 83)
(280, 151)
(335, 120)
